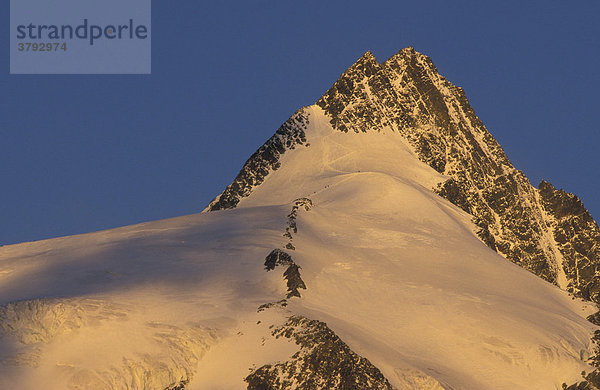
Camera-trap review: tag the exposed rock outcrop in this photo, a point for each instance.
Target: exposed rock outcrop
(578, 238)
(324, 361)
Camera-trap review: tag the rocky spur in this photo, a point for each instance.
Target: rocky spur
(87, 31)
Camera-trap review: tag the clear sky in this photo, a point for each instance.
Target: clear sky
(84, 153)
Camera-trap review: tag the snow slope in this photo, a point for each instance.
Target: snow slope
(396, 272)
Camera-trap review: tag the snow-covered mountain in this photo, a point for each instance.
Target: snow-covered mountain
(369, 244)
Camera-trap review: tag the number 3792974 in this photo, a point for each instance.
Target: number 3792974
(50, 46)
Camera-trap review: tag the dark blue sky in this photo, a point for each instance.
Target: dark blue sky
(84, 153)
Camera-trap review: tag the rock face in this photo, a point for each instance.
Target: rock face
(578, 238)
(324, 361)
(291, 274)
(406, 94)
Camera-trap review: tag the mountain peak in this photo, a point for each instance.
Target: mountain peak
(367, 56)
(406, 95)
(407, 52)
(408, 57)
(368, 66)
(365, 66)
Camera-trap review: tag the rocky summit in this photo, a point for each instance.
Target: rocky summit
(380, 239)
(545, 231)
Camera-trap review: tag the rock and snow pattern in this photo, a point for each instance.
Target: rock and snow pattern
(381, 239)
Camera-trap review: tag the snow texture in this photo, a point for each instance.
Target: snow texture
(399, 289)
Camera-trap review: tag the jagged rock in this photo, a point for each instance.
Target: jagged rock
(578, 386)
(594, 318)
(281, 303)
(484, 233)
(578, 238)
(178, 386)
(291, 274)
(591, 382)
(452, 191)
(594, 360)
(302, 202)
(592, 379)
(277, 257)
(291, 222)
(324, 361)
(294, 281)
